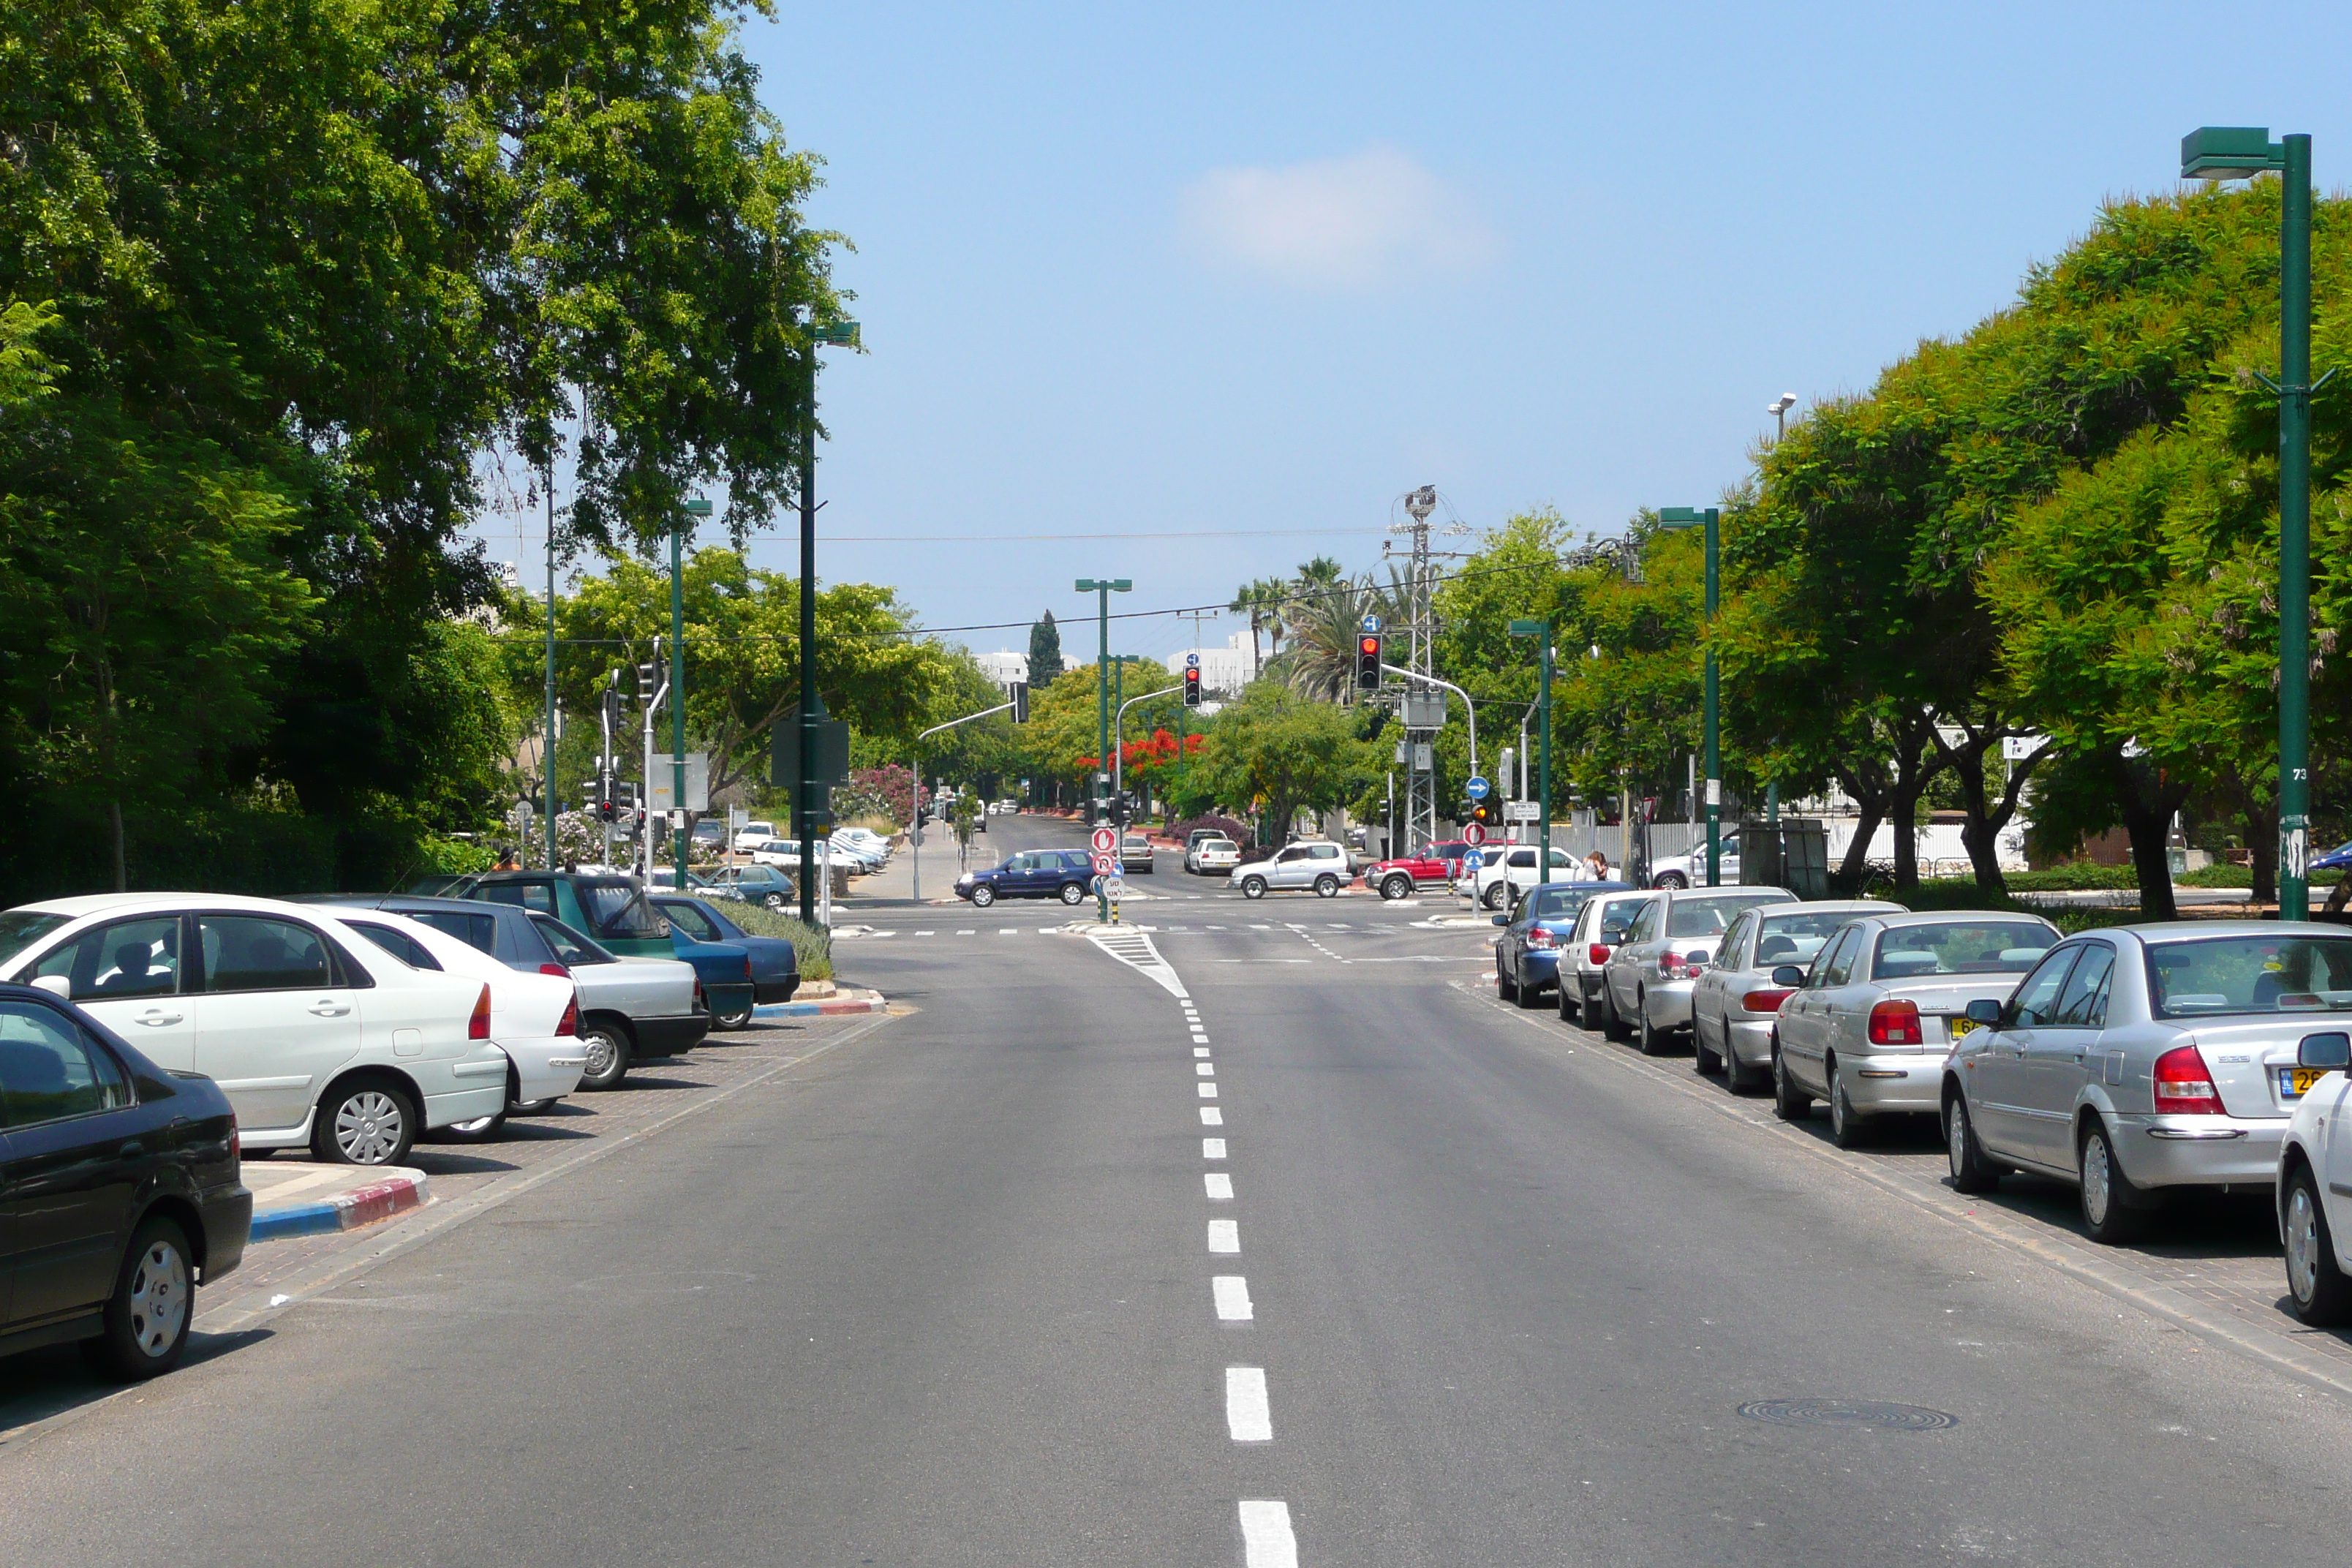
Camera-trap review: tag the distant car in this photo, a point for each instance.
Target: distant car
(632, 1010)
(1734, 1002)
(1690, 870)
(1645, 987)
(710, 832)
(1601, 925)
(1064, 874)
(1402, 876)
(1209, 854)
(753, 884)
(775, 963)
(1511, 870)
(1135, 853)
(1527, 954)
(751, 835)
(614, 913)
(785, 855)
(1876, 1012)
(1316, 865)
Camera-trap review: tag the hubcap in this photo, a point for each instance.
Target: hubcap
(2302, 1245)
(1956, 1136)
(158, 1299)
(367, 1126)
(1841, 1112)
(600, 1055)
(478, 1124)
(2096, 1179)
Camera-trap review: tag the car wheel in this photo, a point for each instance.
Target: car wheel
(607, 1049)
(364, 1121)
(1704, 1058)
(480, 1129)
(1397, 889)
(146, 1320)
(1652, 1039)
(1327, 886)
(1253, 887)
(1613, 1027)
(1848, 1129)
(531, 1108)
(1505, 986)
(741, 1018)
(1530, 995)
(982, 896)
(1493, 897)
(2321, 1294)
(1738, 1076)
(2108, 1211)
(1073, 894)
(1971, 1172)
(774, 902)
(1674, 880)
(1789, 1102)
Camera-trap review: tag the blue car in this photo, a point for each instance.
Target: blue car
(1527, 955)
(1064, 874)
(775, 964)
(724, 968)
(2336, 859)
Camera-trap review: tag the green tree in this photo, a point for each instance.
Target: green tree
(1276, 753)
(1044, 651)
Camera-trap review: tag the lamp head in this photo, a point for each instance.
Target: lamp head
(698, 507)
(838, 335)
(1782, 404)
(2228, 153)
(1530, 628)
(1679, 517)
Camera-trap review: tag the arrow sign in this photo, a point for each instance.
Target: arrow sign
(1476, 788)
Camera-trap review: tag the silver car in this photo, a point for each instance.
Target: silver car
(2147, 1057)
(1601, 925)
(1733, 1004)
(1645, 987)
(1871, 1019)
(1319, 865)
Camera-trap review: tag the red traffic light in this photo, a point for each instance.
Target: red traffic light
(1369, 645)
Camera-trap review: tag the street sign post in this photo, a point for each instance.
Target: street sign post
(1106, 840)
(1476, 860)
(1522, 811)
(1105, 865)
(1474, 833)
(1476, 788)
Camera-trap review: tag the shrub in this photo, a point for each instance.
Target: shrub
(811, 946)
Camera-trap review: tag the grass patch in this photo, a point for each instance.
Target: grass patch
(811, 946)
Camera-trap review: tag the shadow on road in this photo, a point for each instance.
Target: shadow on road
(41, 1383)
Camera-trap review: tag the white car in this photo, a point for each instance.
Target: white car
(534, 1018)
(1690, 870)
(1208, 856)
(1511, 870)
(751, 835)
(864, 838)
(785, 854)
(317, 1037)
(870, 856)
(1320, 866)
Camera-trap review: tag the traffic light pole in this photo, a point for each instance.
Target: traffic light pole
(1118, 731)
(1103, 589)
(915, 828)
(677, 706)
(1467, 706)
(1543, 769)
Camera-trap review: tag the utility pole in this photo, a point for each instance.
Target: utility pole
(843, 334)
(546, 735)
(696, 508)
(1102, 588)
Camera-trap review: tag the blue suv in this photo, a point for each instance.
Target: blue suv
(1065, 874)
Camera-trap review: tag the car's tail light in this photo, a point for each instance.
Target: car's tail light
(557, 970)
(2183, 1086)
(477, 1027)
(747, 966)
(236, 1138)
(570, 1023)
(1539, 937)
(1895, 1022)
(1764, 1000)
(1680, 965)
(701, 1002)
(1598, 952)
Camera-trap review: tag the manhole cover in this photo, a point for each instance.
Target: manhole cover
(1847, 1413)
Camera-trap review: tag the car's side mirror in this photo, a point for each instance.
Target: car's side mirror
(1983, 1012)
(57, 986)
(2331, 1051)
(1502, 920)
(1788, 976)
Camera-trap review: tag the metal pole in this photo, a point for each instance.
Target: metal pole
(678, 700)
(811, 709)
(915, 820)
(1714, 736)
(2295, 532)
(1543, 799)
(1102, 718)
(547, 477)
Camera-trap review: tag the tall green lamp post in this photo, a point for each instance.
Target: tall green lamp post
(1102, 588)
(2239, 152)
(691, 513)
(1691, 517)
(1541, 631)
(836, 335)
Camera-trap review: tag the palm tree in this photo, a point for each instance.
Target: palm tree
(1324, 625)
(1265, 602)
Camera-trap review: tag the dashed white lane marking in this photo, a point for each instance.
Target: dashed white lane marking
(1224, 1235)
(967, 934)
(926, 933)
(1220, 1186)
(1007, 931)
(1248, 1417)
(1218, 928)
(1261, 928)
(1266, 1540)
(1230, 1293)
(1206, 1070)
(1213, 1148)
(1207, 1090)
(1200, 1050)
(1212, 1117)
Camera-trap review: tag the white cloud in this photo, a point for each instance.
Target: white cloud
(1364, 221)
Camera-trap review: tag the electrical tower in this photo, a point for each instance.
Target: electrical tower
(1422, 707)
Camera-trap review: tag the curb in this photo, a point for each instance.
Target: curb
(378, 1200)
(838, 1008)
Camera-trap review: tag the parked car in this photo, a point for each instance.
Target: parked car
(751, 835)
(863, 855)
(1689, 871)
(775, 963)
(2314, 1168)
(614, 913)
(1316, 864)
(753, 884)
(2137, 1060)
(1874, 1015)
(1135, 853)
(1064, 874)
(1735, 1001)
(710, 833)
(785, 855)
(1210, 855)
(534, 1015)
(119, 1190)
(864, 838)
(317, 1038)
(1645, 986)
(1527, 954)
(1600, 926)
(1509, 870)
(1402, 876)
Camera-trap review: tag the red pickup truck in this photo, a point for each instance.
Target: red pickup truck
(1399, 879)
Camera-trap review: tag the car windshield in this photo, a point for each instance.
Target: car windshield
(1713, 916)
(1960, 947)
(571, 948)
(619, 910)
(2250, 975)
(1795, 938)
(1555, 903)
(20, 929)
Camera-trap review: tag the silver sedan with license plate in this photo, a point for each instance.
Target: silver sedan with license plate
(1869, 1022)
(1645, 987)
(1735, 1002)
(1319, 866)
(2143, 1059)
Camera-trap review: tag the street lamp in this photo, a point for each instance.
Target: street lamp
(1102, 588)
(1779, 409)
(1541, 630)
(1690, 516)
(693, 510)
(2239, 152)
(838, 334)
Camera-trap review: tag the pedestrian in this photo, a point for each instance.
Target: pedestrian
(1596, 868)
(507, 860)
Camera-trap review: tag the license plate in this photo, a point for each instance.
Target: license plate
(2296, 1082)
(1960, 1027)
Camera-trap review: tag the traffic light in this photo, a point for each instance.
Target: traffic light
(1192, 686)
(1368, 662)
(1481, 813)
(1020, 692)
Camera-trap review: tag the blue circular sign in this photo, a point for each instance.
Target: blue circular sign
(1474, 861)
(1476, 788)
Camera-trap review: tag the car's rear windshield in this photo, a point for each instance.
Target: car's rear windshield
(619, 910)
(1960, 947)
(571, 947)
(1795, 937)
(1709, 916)
(1555, 903)
(20, 929)
(480, 932)
(2200, 978)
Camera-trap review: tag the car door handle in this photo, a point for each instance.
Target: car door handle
(156, 1019)
(330, 1009)
(133, 1149)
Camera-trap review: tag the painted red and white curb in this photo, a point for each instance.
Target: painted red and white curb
(834, 1007)
(378, 1200)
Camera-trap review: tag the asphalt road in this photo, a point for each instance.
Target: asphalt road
(944, 1296)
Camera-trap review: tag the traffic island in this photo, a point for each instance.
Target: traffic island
(844, 1000)
(298, 1198)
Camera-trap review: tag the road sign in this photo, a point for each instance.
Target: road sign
(1105, 865)
(1372, 623)
(1114, 888)
(1191, 661)
(1522, 811)
(1476, 788)
(1474, 833)
(1474, 860)
(1106, 840)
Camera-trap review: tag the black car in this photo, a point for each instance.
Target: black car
(119, 1190)
(775, 963)
(1064, 874)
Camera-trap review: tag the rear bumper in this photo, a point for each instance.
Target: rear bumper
(1895, 1084)
(1539, 969)
(668, 1037)
(2199, 1151)
(1668, 1003)
(735, 996)
(227, 1214)
(777, 987)
(547, 1068)
(1751, 1041)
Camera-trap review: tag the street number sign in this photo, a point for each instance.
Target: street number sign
(1474, 833)
(1476, 788)
(1106, 840)
(1522, 811)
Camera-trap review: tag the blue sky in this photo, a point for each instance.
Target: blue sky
(1203, 275)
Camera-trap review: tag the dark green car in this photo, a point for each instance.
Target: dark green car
(615, 913)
